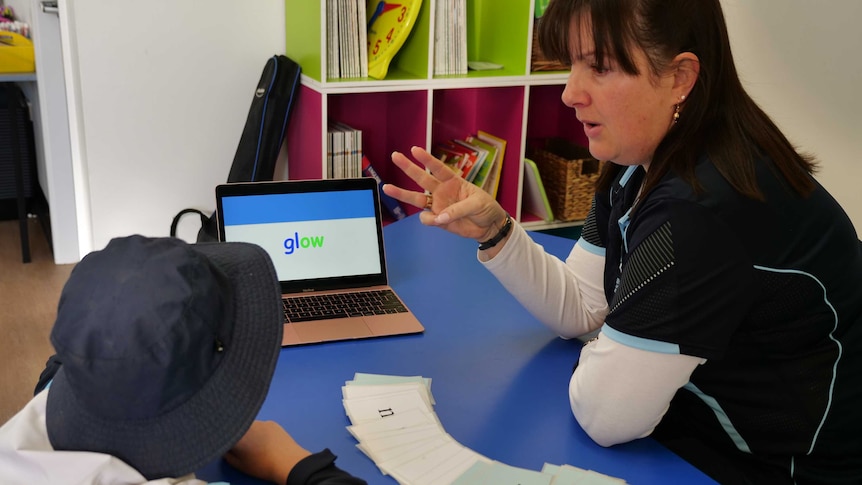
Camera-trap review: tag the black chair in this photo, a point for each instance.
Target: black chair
(16, 153)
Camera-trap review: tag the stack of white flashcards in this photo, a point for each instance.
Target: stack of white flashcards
(393, 420)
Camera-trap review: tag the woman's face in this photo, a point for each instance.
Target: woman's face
(625, 117)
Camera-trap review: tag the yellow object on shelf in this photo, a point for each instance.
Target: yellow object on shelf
(16, 53)
(389, 24)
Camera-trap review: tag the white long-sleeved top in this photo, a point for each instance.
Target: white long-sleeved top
(617, 393)
(27, 457)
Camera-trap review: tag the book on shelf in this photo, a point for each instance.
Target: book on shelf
(481, 156)
(344, 151)
(353, 150)
(491, 159)
(450, 37)
(477, 158)
(535, 198)
(335, 152)
(492, 181)
(343, 40)
(393, 207)
(450, 158)
(460, 61)
(439, 36)
(362, 21)
(332, 64)
(346, 39)
(459, 159)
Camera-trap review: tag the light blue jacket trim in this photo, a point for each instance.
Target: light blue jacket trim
(639, 342)
(624, 226)
(628, 174)
(591, 248)
(721, 416)
(624, 220)
(623, 181)
(831, 337)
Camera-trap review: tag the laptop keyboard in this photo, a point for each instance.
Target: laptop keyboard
(341, 305)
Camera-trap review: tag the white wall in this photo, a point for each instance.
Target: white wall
(51, 124)
(802, 61)
(159, 93)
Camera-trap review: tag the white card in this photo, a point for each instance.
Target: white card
(358, 392)
(404, 420)
(424, 448)
(413, 470)
(402, 437)
(463, 461)
(375, 408)
(380, 455)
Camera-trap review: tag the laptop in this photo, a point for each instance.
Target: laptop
(325, 238)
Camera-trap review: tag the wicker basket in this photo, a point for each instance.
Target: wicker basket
(569, 174)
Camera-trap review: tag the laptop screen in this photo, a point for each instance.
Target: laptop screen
(320, 234)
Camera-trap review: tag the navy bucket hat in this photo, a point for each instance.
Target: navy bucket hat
(167, 351)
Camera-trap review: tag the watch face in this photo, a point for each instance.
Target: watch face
(389, 24)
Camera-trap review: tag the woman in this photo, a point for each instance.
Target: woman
(727, 283)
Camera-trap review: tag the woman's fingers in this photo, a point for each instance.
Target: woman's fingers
(458, 206)
(438, 170)
(425, 180)
(473, 207)
(439, 173)
(416, 199)
(453, 198)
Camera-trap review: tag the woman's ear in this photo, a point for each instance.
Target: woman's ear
(687, 68)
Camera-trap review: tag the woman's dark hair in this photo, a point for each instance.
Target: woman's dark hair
(718, 117)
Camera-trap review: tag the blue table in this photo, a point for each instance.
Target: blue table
(499, 377)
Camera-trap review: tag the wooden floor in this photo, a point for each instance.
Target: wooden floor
(28, 305)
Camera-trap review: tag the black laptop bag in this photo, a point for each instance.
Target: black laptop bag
(262, 135)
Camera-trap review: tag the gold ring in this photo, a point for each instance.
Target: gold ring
(428, 200)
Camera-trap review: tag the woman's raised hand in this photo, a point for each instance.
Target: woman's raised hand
(453, 204)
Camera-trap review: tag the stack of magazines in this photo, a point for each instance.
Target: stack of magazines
(450, 37)
(343, 151)
(346, 39)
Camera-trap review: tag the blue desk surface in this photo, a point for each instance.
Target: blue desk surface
(499, 377)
